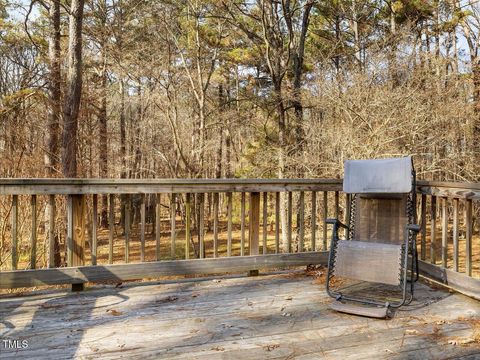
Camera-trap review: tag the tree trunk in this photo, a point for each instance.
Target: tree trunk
(54, 83)
(54, 111)
(103, 136)
(123, 132)
(298, 59)
(73, 91)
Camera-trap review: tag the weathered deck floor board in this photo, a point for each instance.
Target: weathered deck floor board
(281, 316)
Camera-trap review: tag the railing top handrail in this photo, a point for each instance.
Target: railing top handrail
(449, 184)
(103, 181)
(44, 186)
(125, 186)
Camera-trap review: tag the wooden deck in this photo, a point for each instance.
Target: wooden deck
(280, 316)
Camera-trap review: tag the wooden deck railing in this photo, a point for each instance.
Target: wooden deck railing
(206, 226)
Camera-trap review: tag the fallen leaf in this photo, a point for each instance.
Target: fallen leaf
(411, 332)
(168, 299)
(218, 348)
(461, 341)
(271, 347)
(114, 312)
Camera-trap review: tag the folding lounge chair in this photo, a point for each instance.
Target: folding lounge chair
(380, 244)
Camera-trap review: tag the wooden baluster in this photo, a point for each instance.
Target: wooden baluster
(158, 225)
(337, 205)
(289, 222)
(216, 197)
(265, 223)
(325, 216)
(468, 237)
(33, 238)
(111, 226)
(14, 232)
(314, 221)
(201, 224)
(423, 241)
(127, 227)
(173, 234)
(69, 240)
(188, 224)
(142, 228)
(444, 232)
(229, 224)
(433, 230)
(301, 225)
(242, 225)
(277, 222)
(254, 223)
(93, 248)
(455, 234)
(51, 231)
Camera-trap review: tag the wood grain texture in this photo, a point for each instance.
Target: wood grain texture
(79, 207)
(142, 227)
(173, 232)
(457, 281)
(264, 223)
(468, 236)
(127, 227)
(151, 186)
(423, 240)
(254, 223)
(433, 230)
(455, 234)
(188, 225)
(444, 232)
(33, 236)
(158, 224)
(215, 223)
(122, 272)
(313, 243)
(242, 224)
(325, 216)
(277, 222)
(111, 226)
(94, 224)
(281, 316)
(14, 232)
(289, 221)
(229, 223)
(51, 231)
(301, 221)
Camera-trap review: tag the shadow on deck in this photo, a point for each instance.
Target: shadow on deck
(281, 316)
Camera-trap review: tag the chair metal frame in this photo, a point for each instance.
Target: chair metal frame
(409, 252)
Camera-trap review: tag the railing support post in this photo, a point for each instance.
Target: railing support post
(76, 226)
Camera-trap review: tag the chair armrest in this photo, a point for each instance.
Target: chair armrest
(414, 227)
(336, 222)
